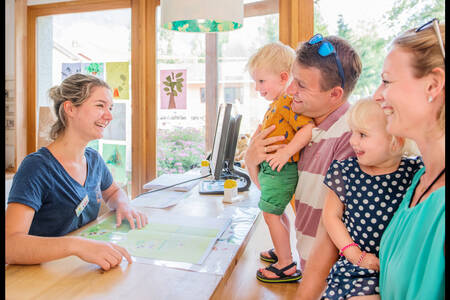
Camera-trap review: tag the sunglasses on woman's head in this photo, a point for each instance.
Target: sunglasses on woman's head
(326, 49)
(435, 23)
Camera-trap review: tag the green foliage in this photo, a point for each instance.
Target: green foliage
(179, 150)
(319, 24)
(269, 30)
(343, 29)
(222, 39)
(94, 68)
(372, 48)
(407, 14)
(173, 84)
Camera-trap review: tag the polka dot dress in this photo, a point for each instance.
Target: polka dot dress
(370, 203)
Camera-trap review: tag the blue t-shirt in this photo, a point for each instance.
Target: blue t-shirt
(43, 184)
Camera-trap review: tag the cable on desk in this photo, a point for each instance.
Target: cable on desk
(166, 187)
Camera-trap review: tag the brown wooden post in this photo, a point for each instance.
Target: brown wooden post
(296, 21)
(211, 82)
(144, 106)
(21, 109)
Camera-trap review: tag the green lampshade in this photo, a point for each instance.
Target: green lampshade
(202, 15)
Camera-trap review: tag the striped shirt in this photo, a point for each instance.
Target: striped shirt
(330, 141)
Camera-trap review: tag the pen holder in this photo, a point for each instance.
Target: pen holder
(204, 167)
(230, 193)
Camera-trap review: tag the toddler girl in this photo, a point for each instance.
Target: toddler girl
(364, 192)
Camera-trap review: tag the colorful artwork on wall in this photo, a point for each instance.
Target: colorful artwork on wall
(116, 130)
(94, 68)
(173, 89)
(114, 156)
(117, 76)
(68, 69)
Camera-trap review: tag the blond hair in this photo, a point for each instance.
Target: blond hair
(76, 89)
(366, 109)
(273, 57)
(424, 45)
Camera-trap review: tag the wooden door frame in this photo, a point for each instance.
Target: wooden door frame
(296, 21)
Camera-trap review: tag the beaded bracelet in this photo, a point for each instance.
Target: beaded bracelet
(341, 253)
(361, 258)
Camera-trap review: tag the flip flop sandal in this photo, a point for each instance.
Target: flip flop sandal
(282, 277)
(272, 259)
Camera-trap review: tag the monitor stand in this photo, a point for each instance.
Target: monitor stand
(215, 187)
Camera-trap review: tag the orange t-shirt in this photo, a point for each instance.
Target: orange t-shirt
(286, 121)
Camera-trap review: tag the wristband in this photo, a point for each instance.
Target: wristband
(361, 258)
(341, 253)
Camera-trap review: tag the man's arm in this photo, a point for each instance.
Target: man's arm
(256, 151)
(322, 257)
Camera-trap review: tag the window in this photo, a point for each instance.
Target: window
(235, 48)
(233, 94)
(202, 95)
(369, 27)
(96, 43)
(181, 127)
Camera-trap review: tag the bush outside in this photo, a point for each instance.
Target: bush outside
(179, 150)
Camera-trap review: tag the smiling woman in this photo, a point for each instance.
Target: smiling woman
(58, 188)
(70, 96)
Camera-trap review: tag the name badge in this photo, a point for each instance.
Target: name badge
(81, 206)
(98, 193)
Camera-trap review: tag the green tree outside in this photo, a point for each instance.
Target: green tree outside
(371, 47)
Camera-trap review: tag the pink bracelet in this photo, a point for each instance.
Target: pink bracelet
(361, 258)
(341, 253)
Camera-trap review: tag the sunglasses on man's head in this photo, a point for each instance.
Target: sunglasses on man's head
(435, 23)
(326, 49)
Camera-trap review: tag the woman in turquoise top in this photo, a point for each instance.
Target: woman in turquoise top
(412, 258)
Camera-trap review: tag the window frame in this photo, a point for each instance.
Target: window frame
(296, 24)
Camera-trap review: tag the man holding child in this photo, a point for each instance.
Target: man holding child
(324, 74)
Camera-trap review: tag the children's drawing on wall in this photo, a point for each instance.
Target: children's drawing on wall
(114, 156)
(173, 90)
(94, 68)
(117, 76)
(116, 130)
(68, 69)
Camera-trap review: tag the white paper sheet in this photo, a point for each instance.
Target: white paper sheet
(160, 199)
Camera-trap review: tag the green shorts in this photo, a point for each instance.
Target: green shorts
(277, 188)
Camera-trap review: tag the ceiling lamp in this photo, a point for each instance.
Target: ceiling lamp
(202, 15)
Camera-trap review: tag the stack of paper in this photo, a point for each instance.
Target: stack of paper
(160, 199)
(171, 179)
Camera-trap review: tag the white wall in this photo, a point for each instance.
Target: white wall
(9, 39)
(9, 83)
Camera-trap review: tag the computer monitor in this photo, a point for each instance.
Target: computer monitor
(220, 140)
(222, 155)
(233, 136)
